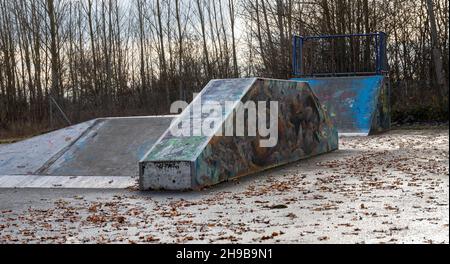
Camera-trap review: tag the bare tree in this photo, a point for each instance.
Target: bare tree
(106, 58)
(233, 36)
(437, 59)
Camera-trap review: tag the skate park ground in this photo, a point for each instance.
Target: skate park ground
(388, 188)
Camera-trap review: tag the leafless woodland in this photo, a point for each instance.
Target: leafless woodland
(134, 57)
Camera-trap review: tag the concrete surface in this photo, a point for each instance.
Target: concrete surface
(113, 147)
(28, 156)
(67, 182)
(86, 155)
(390, 188)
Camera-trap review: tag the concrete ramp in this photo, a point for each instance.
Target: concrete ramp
(358, 105)
(28, 156)
(110, 147)
(87, 155)
(192, 161)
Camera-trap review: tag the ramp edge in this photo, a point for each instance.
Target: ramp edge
(66, 182)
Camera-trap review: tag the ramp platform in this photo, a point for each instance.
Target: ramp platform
(87, 155)
(185, 162)
(358, 105)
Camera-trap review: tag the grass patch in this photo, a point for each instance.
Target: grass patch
(420, 114)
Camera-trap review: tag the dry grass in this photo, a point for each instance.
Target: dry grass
(22, 130)
(25, 129)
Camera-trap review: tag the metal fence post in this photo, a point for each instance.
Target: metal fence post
(294, 55)
(301, 56)
(377, 53)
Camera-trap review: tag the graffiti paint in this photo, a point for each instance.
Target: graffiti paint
(304, 130)
(357, 105)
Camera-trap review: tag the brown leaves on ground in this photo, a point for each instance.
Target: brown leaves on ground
(96, 219)
(273, 235)
(277, 206)
(370, 191)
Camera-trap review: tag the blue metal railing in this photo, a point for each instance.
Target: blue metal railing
(380, 39)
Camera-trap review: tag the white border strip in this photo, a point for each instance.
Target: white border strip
(353, 134)
(67, 182)
(137, 117)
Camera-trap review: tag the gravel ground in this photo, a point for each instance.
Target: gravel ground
(391, 188)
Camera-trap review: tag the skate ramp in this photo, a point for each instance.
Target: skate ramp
(106, 148)
(111, 147)
(185, 162)
(28, 156)
(357, 105)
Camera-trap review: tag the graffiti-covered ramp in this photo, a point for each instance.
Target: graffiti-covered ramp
(358, 105)
(184, 161)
